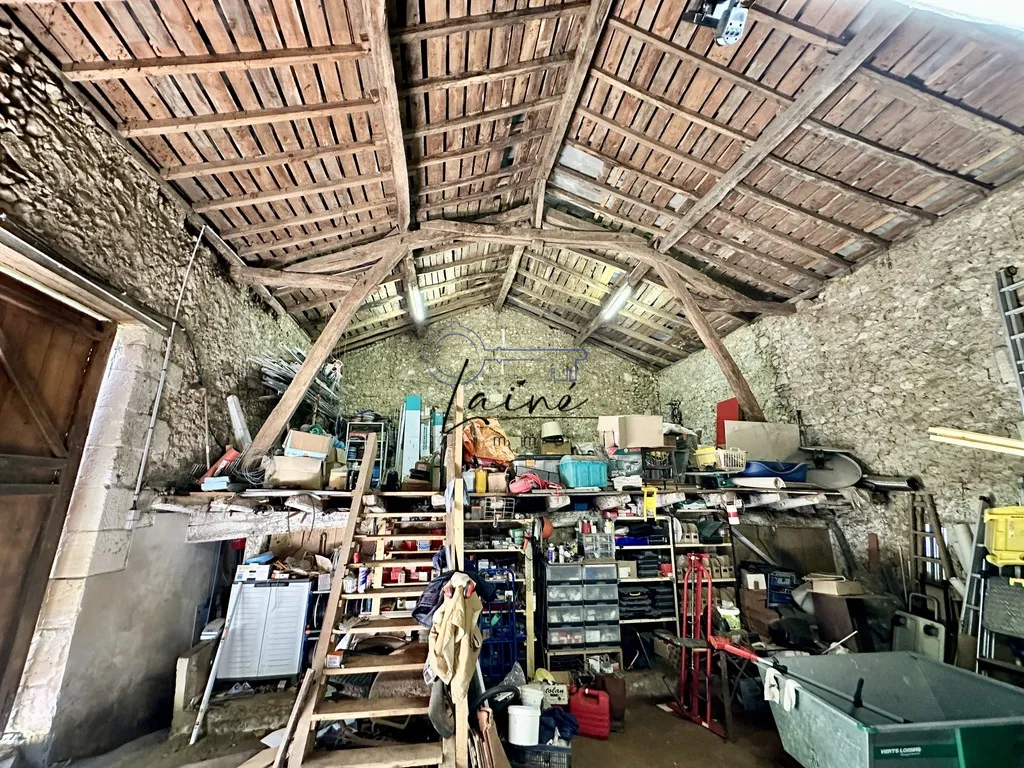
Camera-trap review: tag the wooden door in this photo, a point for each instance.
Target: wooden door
(52, 360)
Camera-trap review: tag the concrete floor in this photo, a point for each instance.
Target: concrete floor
(661, 740)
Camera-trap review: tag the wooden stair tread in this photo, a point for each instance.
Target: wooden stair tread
(411, 563)
(402, 625)
(406, 591)
(390, 756)
(405, 660)
(399, 515)
(400, 537)
(348, 709)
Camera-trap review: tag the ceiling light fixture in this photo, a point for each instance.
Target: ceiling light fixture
(417, 308)
(618, 301)
(1003, 13)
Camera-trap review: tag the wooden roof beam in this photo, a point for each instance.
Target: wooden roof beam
(477, 197)
(277, 278)
(317, 355)
(474, 150)
(123, 69)
(874, 33)
(510, 276)
(711, 340)
(232, 165)
(963, 115)
(276, 225)
(590, 36)
(375, 16)
(478, 118)
(482, 77)
(485, 21)
(501, 173)
(255, 198)
(291, 242)
(165, 126)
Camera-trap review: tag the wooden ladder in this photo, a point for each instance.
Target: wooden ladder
(310, 707)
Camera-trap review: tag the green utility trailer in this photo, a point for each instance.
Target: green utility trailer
(896, 710)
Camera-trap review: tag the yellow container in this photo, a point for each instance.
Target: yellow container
(1004, 536)
(705, 456)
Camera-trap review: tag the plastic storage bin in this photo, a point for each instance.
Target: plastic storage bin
(600, 614)
(560, 573)
(564, 593)
(565, 614)
(565, 636)
(1004, 536)
(583, 471)
(598, 546)
(600, 572)
(600, 593)
(597, 634)
(543, 756)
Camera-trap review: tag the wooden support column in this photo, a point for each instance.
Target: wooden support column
(375, 14)
(877, 30)
(510, 276)
(590, 36)
(709, 336)
(278, 420)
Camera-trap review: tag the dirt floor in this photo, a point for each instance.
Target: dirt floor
(659, 739)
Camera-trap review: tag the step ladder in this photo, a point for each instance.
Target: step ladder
(1009, 302)
(311, 709)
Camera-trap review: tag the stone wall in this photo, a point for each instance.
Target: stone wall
(73, 185)
(379, 376)
(909, 341)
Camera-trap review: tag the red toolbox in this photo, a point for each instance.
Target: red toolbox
(593, 710)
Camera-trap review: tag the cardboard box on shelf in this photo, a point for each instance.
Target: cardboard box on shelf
(295, 472)
(298, 444)
(627, 569)
(641, 432)
(756, 581)
(337, 478)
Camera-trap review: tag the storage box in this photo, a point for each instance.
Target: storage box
(565, 593)
(835, 586)
(254, 572)
(295, 472)
(298, 443)
(583, 471)
(1004, 536)
(546, 468)
(337, 478)
(565, 636)
(756, 614)
(641, 432)
(627, 570)
(600, 593)
(600, 614)
(599, 572)
(756, 581)
(607, 634)
(567, 573)
(555, 694)
(497, 482)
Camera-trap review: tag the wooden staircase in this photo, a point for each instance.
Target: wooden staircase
(312, 709)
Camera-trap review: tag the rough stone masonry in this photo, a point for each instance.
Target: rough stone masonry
(909, 341)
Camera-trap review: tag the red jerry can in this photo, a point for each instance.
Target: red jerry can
(593, 711)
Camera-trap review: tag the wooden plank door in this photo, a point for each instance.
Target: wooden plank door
(52, 359)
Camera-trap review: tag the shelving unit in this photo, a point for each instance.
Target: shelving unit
(356, 433)
(670, 579)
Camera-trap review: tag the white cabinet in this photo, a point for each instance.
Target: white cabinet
(266, 634)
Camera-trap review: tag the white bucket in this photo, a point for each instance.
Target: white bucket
(532, 696)
(523, 725)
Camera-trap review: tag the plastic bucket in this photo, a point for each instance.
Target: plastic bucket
(532, 696)
(523, 725)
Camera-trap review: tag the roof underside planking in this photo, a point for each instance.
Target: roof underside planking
(280, 122)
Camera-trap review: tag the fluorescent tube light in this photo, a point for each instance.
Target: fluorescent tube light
(618, 301)
(417, 308)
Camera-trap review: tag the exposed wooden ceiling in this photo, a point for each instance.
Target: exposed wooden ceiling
(309, 134)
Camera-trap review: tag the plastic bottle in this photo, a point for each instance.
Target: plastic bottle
(551, 553)
(364, 578)
(480, 481)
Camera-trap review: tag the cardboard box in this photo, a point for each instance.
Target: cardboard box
(298, 444)
(627, 570)
(337, 478)
(836, 587)
(295, 472)
(555, 694)
(497, 482)
(641, 432)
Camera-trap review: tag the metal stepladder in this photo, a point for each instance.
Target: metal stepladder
(1012, 310)
(311, 709)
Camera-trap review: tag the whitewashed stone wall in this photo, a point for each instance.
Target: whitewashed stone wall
(909, 341)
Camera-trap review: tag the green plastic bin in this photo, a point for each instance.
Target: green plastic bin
(914, 713)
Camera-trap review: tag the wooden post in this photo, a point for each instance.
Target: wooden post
(709, 336)
(318, 354)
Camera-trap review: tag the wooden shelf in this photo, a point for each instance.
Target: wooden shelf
(493, 551)
(385, 592)
(401, 625)
(646, 546)
(348, 709)
(583, 651)
(409, 659)
(645, 581)
(387, 756)
(703, 546)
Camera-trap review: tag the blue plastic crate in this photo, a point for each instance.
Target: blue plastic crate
(583, 471)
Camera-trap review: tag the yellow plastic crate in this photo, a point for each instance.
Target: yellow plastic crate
(1004, 536)
(705, 457)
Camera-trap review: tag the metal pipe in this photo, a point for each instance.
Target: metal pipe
(891, 484)
(133, 516)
